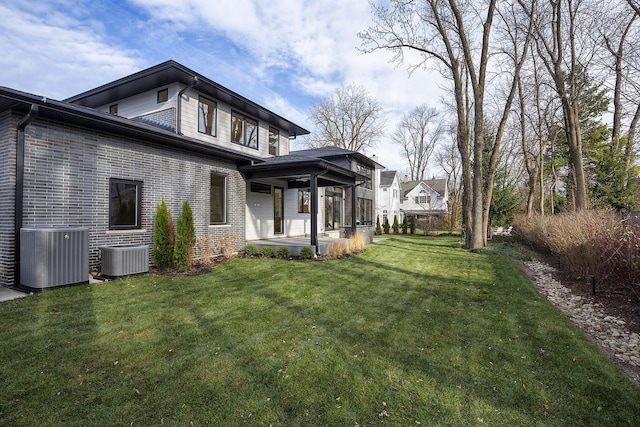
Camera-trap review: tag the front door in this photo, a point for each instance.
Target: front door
(278, 210)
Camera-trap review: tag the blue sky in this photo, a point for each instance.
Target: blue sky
(282, 54)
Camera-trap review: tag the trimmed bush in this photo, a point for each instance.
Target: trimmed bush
(185, 239)
(306, 253)
(412, 224)
(250, 249)
(378, 230)
(163, 237)
(385, 225)
(267, 251)
(395, 226)
(283, 252)
(404, 225)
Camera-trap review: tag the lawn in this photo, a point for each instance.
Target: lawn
(412, 332)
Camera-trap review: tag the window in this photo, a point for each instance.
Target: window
(163, 95)
(257, 187)
(304, 201)
(113, 109)
(422, 198)
(218, 199)
(274, 141)
(365, 211)
(206, 116)
(244, 131)
(125, 198)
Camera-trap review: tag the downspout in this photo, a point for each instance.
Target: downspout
(19, 199)
(179, 106)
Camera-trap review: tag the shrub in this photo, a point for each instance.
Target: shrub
(395, 224)
(185, 239)
(205, 248)
(412, 224)
(385, 225)
(163, 237)
(306, 253)
(250, 249)
(404, 225)
(378, 230)
(228, 244)
(283, 252)
(267, 251)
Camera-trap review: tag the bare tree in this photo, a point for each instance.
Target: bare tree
(456, 35)
(448, 158)
(418, 133)
(349, 119)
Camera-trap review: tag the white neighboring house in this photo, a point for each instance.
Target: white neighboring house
(388, 196)
(424, 198)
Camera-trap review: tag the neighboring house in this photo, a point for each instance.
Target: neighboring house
(424, 198)
(105, 158)
(388, 197)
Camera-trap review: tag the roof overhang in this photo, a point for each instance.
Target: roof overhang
(171, 72)
(298, 173)
(64, 112)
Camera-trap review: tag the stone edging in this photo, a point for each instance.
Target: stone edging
(608, 332)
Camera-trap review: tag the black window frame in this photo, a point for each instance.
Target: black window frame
(138, 205)
(244, 141)
(301, 199)
(113, 109)
(162, 95)
(224, 200)
(214, 124)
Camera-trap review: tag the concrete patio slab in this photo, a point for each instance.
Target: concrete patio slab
(7, 294)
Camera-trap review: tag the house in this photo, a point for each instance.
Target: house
(105, 158)
(424, 198)
(388, 197)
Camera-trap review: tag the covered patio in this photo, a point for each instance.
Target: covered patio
(304, 172)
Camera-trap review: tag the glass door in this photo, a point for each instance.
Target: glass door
(278, 210)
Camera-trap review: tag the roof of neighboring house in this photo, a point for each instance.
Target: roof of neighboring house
(334, 152)
(437, 185)
(170, 72)
(43, 107)
(386, 178)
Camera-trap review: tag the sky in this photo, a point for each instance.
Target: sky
(282, 54)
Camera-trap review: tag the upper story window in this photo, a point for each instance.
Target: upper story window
(244, 130)
(206, 116)
(125, 198)
(274, 141)
(113, 109)
(163, 95)
(422, 198)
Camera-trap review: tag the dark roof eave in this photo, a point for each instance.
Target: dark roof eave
(301, 168)
(87, 117)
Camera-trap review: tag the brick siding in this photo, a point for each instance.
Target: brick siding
(67, 171)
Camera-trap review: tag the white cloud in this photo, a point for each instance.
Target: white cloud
(53, 55)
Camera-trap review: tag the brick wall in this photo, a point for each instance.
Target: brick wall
(67, 171)
(7, 195)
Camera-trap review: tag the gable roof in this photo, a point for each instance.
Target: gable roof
(387, 177)
(437, 185)
(170, 72)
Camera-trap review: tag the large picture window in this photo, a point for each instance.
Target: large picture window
(274, 141)
(218, 199)
(365, 211)
(244, 130)
(206, 116)
(304, 201)
(125, 198)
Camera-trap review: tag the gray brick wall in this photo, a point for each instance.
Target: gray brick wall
(67, 171)
(7, 195)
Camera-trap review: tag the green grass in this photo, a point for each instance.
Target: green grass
(411, 332)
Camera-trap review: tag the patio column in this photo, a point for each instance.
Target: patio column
(314, 210)
(353, 210)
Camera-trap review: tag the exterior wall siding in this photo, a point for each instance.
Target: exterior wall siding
(7, 196)
(67, 172)
(145, 102)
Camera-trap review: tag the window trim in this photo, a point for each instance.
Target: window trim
(276, 146)
(113, 109)
(138, 213)
(244, 142)
(162, 95)
(224, 198)
(214, 124)
(301, 205)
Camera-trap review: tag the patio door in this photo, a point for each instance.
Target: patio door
(278, 210)
(332, 208)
